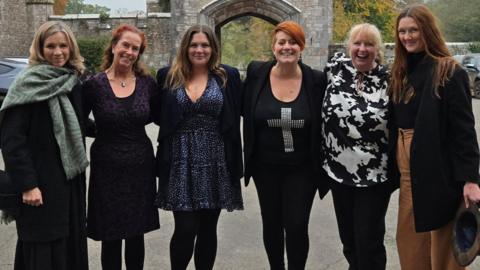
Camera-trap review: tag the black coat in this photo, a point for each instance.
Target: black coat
(444, 151)
(32, 159)
(167, 115)
(314, 83)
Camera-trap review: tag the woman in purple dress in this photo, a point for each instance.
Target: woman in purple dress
(122, 175)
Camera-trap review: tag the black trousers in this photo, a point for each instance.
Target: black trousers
(361, 223)
(286, 195)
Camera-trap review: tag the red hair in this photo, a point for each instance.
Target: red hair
(116, 36)
(293, 29)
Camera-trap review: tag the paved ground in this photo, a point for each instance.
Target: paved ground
(240, 240)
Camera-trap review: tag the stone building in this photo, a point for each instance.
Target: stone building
(19, 19)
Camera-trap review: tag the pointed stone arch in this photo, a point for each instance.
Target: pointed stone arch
(220, 12)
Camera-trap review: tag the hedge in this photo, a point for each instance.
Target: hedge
(92, 50)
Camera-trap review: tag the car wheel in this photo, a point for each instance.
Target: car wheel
(476, 89)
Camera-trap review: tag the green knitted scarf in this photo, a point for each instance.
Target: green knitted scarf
(46, 82)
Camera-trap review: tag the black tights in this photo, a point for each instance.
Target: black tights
(194, 229)
(286, 196)
(111, 256)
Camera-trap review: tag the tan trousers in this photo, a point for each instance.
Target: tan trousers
(418, 251)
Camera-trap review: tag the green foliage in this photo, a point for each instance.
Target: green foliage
(460, 19)
(245, 39)
(350, 12)
(79, 7)
(104, 16)
(474, 47)
(92, 50)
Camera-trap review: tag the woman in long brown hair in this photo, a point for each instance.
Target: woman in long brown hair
(122, 175)
(199, 154)
(435, 139)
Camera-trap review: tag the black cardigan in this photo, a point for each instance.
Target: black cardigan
(167, 115)
(444, 151)
(314, 82)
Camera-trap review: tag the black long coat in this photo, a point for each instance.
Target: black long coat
(32, 159)
(444, 151)
(314, 83)
(167, 114)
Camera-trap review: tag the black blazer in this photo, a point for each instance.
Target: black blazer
(314, 83)
(167, 115)
(444, 151)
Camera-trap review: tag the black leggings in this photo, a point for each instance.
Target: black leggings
(194, 229)
(111, 256)
(286, 195)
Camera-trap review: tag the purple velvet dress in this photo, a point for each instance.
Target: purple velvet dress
(122, 184)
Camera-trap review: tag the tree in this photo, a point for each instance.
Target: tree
(350, 12)
(59, 7)
(459, 19)
(245, 39)
(79, 7)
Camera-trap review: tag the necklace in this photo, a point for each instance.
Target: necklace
(360, 85)
(123, 83)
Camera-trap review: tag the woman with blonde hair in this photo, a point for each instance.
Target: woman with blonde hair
(199, 157)
(355, 144)
(43, 149)
(435, 141)
(122, 184)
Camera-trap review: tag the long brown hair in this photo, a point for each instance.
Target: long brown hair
(181, 69)
(48, 29)
(435, 47)
(138, 67)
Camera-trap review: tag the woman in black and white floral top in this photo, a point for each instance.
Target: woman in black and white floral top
(354, 132)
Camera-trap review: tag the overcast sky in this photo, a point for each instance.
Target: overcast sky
(119, 4)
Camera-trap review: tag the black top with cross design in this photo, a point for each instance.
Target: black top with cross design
(282, 129)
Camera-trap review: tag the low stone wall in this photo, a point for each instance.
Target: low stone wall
(155, 25)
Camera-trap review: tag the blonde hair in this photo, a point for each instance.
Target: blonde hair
(45, 31)
(181, 69)
(372, 34)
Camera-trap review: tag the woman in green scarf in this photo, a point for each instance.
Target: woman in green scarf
(43, 148)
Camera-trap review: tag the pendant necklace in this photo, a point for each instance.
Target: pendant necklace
(123, 84)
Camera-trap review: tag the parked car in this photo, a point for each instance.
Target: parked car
(9, 69)
(471, 62)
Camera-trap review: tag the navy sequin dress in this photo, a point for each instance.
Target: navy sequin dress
(199, 178)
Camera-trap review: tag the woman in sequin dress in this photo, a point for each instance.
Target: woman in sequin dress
(199, 158)
(122, 172)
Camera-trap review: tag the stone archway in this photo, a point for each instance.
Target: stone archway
(314, 15)
(219, 12)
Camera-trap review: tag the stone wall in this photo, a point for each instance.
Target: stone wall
(155, 25)
(15, 38)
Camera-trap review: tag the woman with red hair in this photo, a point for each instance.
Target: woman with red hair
(435, 141)
(281, 130)
(122, 173)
